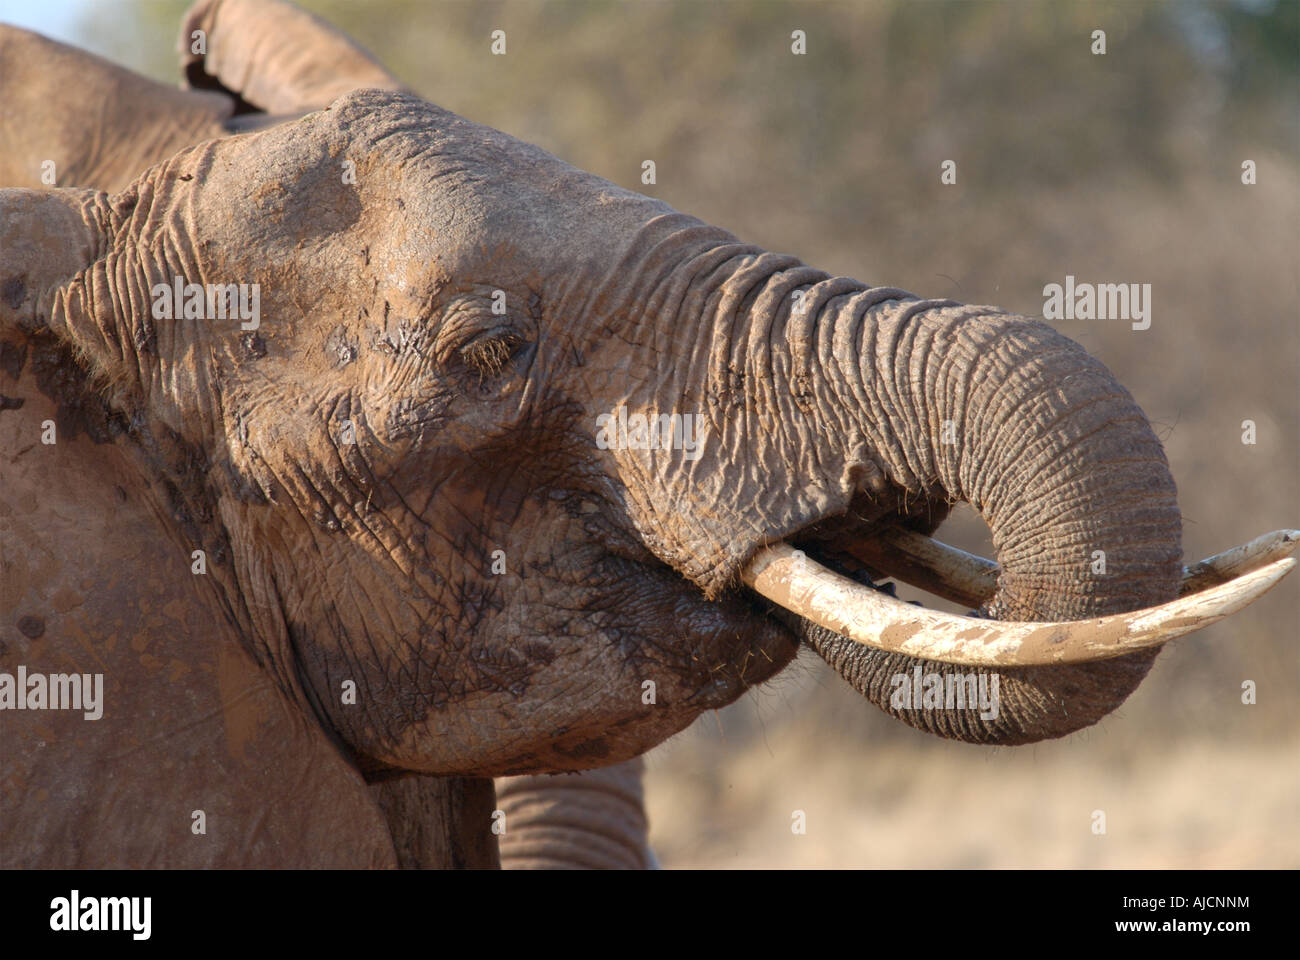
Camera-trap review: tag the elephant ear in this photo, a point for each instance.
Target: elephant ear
(273, 56)
(46, 238)
(61, 273)
(71, 119)
(185, 750)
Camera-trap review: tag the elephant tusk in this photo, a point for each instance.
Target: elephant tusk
(946, 571)
(793, 581)
(1222, 567)
(972, 580)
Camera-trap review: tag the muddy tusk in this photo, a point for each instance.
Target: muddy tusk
(791, 580)
(966, 578)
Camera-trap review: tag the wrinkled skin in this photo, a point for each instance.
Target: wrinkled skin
(591, 818)
(399, 337)
(351, 467)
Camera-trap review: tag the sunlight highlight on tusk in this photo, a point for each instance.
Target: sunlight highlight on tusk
(793, 581)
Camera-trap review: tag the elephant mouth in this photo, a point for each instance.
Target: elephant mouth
(1212, 589)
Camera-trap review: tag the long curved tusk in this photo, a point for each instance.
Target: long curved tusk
(791, 580)
(969, 579)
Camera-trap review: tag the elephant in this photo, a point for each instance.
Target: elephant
(590, 819)
(364, 453)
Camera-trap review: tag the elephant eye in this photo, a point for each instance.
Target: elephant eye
(488, 353)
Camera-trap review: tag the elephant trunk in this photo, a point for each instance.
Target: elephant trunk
(830, 411)
(945, 402)
(592, 820)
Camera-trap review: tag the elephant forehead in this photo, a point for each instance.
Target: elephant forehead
(456, 184)
(390, 175)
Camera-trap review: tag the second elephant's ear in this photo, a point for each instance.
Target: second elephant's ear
(72, 119)
(275, 57)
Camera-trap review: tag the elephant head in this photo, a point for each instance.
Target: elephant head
(390, 454)
(498, 449)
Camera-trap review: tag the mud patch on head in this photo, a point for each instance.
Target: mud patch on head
(252, 347)
(13, 291)
(145, 337)
(340, 347)
(12, 358)
(80, 408)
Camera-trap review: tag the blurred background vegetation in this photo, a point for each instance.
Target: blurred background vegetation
(1117, 168)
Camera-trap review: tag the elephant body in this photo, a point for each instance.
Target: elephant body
(345, 556)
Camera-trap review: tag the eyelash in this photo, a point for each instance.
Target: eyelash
(489, 353)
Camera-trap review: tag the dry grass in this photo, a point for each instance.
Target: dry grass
(914, 801)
